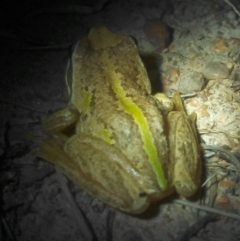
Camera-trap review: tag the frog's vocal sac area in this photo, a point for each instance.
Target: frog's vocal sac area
(127, 148)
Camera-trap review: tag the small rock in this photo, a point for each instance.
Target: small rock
(30, 174)
(231, 15)
(190, 82)
(229, 65)
(202, 111)
(226, 183)
(221, 45)
(223, 202)
(98, 206)
(131, 235)
(215, 70)
(158, 34)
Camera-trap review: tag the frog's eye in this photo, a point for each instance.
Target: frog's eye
(134, 40)
(164, 102)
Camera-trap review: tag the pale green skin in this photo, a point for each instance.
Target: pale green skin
(128, 149)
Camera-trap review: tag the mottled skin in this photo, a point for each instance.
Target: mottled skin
(127, 148)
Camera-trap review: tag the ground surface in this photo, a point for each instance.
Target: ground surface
(201, 55)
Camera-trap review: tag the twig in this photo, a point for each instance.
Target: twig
(85, 229)
(63, 8)
(225, 154)
(184, 95)
(207, 209)
(230, 4)
(23, 106)
(205, 131)
(208, 179)
(8, 231)
(196, 227)
(49, 47)
(109, 225)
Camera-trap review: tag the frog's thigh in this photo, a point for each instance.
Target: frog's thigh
(184, 154)
(105, 172)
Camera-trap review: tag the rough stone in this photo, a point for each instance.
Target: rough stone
(215, 70)
(190, 82)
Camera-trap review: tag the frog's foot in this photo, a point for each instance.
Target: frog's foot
(184, 154)
(50, 149)
(60, 120)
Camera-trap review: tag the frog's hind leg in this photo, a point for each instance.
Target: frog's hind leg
(98, 168)
(184, 149)
(105, 172)
(51, 150)
(178, 103)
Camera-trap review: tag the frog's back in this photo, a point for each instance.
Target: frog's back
(111, 89)
(101, 70)
(112, 123)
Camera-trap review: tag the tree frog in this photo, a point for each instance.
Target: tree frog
(115, 140)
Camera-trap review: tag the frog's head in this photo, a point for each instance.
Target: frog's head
(101, 38)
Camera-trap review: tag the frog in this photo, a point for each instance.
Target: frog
(115, 139)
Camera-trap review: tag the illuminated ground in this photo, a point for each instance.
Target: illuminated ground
(201, 56)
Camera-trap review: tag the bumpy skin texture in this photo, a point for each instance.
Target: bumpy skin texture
(127, 149)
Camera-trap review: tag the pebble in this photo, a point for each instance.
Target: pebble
(202, 111)
(221, 45)
(223, 202)
(158, 34)
(231, 15)
(215, 70)
(190, 82)
(226, 183)
(97, 206)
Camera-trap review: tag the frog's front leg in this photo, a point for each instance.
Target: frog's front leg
(184, 149)
(54, 125)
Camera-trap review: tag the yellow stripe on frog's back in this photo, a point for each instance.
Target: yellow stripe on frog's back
(127, 105)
